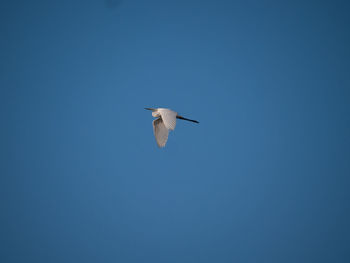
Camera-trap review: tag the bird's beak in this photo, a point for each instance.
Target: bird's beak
(149, 109)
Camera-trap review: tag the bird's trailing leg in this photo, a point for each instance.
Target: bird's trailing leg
(182, 118)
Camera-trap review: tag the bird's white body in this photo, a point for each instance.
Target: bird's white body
(166, 120)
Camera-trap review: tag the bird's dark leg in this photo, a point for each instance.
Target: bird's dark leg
(182, 118)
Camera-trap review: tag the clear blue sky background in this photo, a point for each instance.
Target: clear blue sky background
(264, 177)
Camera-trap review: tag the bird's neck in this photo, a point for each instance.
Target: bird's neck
(155, 114)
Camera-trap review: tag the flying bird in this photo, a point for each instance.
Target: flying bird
(166, 120)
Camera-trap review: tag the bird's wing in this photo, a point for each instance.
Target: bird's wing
(168, 117)
(160, 132)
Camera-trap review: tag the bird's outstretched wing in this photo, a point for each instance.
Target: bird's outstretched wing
(169, 118)
(160, 132)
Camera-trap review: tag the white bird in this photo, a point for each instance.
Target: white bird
(166, 120)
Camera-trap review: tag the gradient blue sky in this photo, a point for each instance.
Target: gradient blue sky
(264, 177)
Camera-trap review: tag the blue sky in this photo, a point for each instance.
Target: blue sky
(264, 177)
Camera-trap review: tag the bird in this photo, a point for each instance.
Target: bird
(166, 120)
